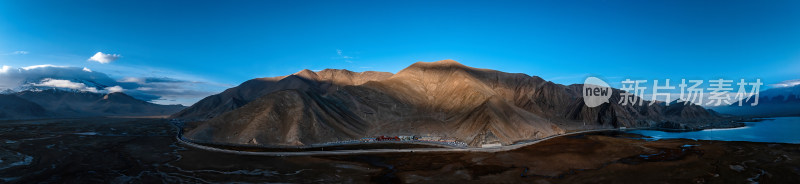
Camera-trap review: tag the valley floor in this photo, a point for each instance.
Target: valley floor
(129, 150)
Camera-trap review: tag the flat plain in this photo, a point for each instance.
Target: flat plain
(144, 150)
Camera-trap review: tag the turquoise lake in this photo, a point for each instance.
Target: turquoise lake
(779, 130)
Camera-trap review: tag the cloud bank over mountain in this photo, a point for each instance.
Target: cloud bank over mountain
(164, 90)
(787, 83)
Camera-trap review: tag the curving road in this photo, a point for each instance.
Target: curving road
(373, 151)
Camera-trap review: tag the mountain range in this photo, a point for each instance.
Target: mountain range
(773, 102)
(443, 98)
(58, 103)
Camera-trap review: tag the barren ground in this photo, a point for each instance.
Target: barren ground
(120, 150)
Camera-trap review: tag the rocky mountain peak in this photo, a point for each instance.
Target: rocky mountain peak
(308, 74)
(443, 64)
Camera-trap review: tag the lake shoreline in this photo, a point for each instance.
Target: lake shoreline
(765, 130)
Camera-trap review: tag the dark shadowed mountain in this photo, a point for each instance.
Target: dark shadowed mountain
(444, 98)
(14, 107)
(65, 103)
(773, 102)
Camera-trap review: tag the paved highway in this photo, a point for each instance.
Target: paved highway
(373, 151)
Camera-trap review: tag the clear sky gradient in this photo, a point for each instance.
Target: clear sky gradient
(228, 42)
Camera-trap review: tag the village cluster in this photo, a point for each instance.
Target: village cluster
(407, 139)
(429, 139)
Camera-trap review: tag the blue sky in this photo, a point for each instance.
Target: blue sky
(224, 43)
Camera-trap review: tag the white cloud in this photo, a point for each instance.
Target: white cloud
(23, 78)
(42, 66)
(19, 52)
(787, 83)
(133, 80)
(86, 69)
(114, 89)
(58, 83)
(104, 58)
(5, 69)
(144, 89)
(342, 56)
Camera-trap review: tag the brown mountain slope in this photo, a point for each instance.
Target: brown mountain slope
(286, 117)
(444, 98)
(248, 91)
